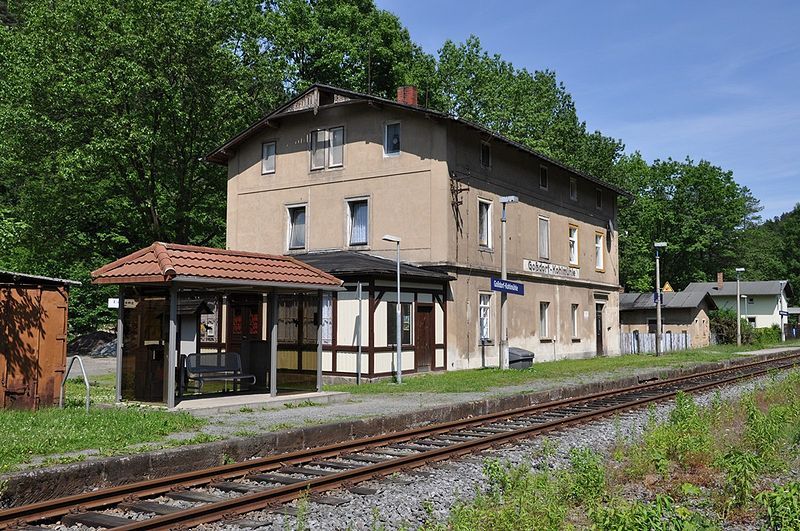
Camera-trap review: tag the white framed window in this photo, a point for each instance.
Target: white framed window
(327, 318)
(598, 198)
(391, 139)
(327, 148)
(485, 316)
(318, 150)
(336, 148)
(544, 320)
(573, 188)
(297, 227)
(485, 223)
(267, 158)
(573, 245)
(544, 182)
(574, 320)
(599, 255)
(358, 222)
(544, 238)
(486, 154)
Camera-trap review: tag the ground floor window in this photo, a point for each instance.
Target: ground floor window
(484, 316)
(574, 317)
(544, 319)
(405, 323)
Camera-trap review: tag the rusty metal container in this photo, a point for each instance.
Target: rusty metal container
(33, 339)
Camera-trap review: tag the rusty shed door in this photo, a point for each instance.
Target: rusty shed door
(33, 345)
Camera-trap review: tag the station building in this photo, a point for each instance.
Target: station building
(327, 175)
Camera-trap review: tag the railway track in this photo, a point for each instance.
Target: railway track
(227, 492)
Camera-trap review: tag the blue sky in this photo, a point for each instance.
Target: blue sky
(715, 80)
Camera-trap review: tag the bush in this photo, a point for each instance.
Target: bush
(587, 475)
(723, 325)
(767, 336)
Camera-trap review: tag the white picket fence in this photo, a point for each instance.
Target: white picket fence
(636, 343)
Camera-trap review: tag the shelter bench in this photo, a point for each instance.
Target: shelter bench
(216, 367)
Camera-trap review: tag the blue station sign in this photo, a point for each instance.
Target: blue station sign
(506, 286)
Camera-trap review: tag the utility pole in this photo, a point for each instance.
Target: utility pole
(658, 246)
(504, 276)
(739, 271)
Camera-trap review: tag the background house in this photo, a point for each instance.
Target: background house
(761, 301)
(683, 313)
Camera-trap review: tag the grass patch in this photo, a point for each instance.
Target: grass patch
(102, 390)
(25, 434)
(476, 380)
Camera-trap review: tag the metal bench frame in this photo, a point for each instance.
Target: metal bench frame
(227, 369)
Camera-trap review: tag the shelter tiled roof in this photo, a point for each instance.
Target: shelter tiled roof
(672, 300)
(167, 262)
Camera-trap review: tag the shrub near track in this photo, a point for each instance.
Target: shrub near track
(701, 468)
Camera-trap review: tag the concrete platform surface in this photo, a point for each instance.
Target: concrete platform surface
(222, 404)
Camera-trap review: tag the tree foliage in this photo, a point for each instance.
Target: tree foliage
(106, 109)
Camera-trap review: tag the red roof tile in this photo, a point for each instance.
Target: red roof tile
(164, 262)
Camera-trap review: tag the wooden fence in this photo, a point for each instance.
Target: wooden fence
(635, 342)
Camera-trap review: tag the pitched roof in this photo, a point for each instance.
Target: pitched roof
(346, 263)
(759, 287)
(222, 153)
(672, 300)
(18, 278)
(161, 263)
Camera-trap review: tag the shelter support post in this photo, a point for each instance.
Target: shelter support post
(120, 314)
(319, 341)
(172, 346)
(273, 343)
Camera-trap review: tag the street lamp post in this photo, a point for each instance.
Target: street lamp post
(399, 355)
(658, 246)
(504, 200)
(781, 310)
(739, 271)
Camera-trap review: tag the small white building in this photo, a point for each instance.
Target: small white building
(760, 301)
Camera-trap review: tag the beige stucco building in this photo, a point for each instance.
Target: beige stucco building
(333, 171)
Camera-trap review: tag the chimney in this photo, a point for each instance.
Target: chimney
(407, 94)
(720, 280)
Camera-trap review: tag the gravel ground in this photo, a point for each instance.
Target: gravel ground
(432, 493)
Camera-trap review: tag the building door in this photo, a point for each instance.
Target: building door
(598, 310)
(424, 339)
(244, 321)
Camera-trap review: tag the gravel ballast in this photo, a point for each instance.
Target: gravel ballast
(431, 494)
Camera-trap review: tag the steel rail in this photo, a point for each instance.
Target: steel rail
(230, 508)
(54, 508)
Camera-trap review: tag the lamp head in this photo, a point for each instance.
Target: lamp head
(390, 238)
(509, 199)
(660, 245)
(740, 270)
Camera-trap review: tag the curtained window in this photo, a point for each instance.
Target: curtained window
(297, 227)
(359, 220)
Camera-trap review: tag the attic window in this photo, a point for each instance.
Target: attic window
(391, 140)
(486, 155)
(543, 179)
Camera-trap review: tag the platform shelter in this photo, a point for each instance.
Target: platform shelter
(199, 322)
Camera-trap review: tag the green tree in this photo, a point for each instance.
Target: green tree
(533, 109)
(697, 208)
(105, 112)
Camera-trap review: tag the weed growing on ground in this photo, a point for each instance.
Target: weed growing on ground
(304, 403)
(301, 519)
(586, 478)
(661, 514)
(782, 506)
(245, 409)
(279, 426)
